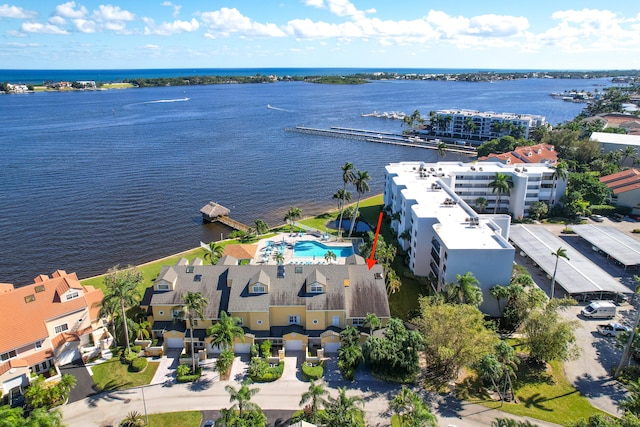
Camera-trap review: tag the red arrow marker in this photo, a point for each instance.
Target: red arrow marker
(371, 260)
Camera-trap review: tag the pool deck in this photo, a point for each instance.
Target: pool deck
(266, 250)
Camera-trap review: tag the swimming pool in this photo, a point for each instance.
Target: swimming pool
(311, 248)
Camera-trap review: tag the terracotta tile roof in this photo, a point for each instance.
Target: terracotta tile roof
(622, 182)
(540, 153)
(38, 357)
(25, 322)
(240, 251)
(65, 337)
(12, 363)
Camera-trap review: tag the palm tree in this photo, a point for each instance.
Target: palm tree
(314, 395)
(629, 151)
(490, 368)
(441, 150)
(343, 411)
(506, 355)
(560, 253)
(225, 330)
(330, 256)
(373, 321)
(401, 404)
(261, 226)
(278, 257)
(465, 290)
(499, 292)
(121, 287)
(393, 282)
(560, 171)
(292, 214)
(213, 252)
(501, 185)
(133, 419)
(243, 397)
(362, 186)
(342, 196)
(348, 176)
(192, 309)
(481, 204)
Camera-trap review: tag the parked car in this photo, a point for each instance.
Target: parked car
(617, 217)
(597, 218)
(612, 329)
(209, 423)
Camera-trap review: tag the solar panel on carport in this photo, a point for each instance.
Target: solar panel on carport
(611, 241)
(576, 275)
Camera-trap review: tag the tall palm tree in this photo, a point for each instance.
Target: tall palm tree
(278, 257)
(343, 411)
(348, 176)
(490, 368)
(441, 150)
(499, 292)
(315, 396)
(261, 226)
(501, 185)
(629, 151)
(481, 204)
(506, 355)
(361, 183)
(342, 196)
(213, 252)
(330, 256)
(192, 309)
(465, 290)
(243, 397)
(121, 287)
(560, 171)
(401, 404)
(225, 330)
(560, 253)
(292, 215)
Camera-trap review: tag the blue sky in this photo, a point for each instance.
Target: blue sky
(496, 34)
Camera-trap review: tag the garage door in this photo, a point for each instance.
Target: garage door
(242, 348)
(68, 356)
(214, 348)
(293, 345)
(175, 343)
(15, 382)
(331, 347)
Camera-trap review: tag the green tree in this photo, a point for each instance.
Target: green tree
(292, 215)
(121, 287)
(225, 331)
(361, 182)
(508, 359)
(481, 204)
(224, 361)
(242, 396)
(278, 257)
(261, 226)
(348, 177)
(538, 209)
(372, 321)
(499, 292)
(314, 395)
(343, 411)
(192, 309)
(559, 253)
(549, 337)
(489, 368)
(133, 419)
(213, 252)
(508, 422)
(455, 335)
(560, 171)
(410, 410)
(441, 150)
(11, 417)
(589, 187)
(330, 256)
(465, 290)
(500, 185)
(342, 196)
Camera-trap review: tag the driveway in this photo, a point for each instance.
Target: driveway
(84, 383)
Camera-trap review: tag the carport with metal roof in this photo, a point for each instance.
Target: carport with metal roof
(619, 246)
(577, 276)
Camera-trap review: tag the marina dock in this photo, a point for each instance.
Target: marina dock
(214, 212)
(381, 137)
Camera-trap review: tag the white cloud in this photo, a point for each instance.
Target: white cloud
(176, 8)
(314, 3)
(112, 13)
(37, 27)
(57, 20)
(151, 46)
(68, 10)
(168, 28)
(7, 11)
(226, 21)
(84, 25)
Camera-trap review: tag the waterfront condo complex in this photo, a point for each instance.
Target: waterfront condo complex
(444, 235)
(483, 126)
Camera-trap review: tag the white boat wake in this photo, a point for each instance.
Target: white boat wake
(270, 107)
(166, 100)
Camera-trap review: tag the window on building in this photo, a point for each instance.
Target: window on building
(161, 313)
(38, 344)
(197, 278)
(61, 328)
(357, 321)
(195, 322)
(29, 298)
(190, 269)
(259, 322)
(8, 355)
(316, 288)
(239, 321)
(294, 320)
(72, 295)
(258, 289)
(177, 314)
(163, 287)
(39, 288)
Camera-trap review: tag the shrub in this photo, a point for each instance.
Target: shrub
(136, 349)
(138, 365)
(225, 360)
(253, 351)
(261, 372)
(311, 371)
(636, 230)
(265, 348)
(188, 376)
(128, 358)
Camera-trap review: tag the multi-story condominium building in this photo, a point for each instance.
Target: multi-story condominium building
(470, 181)
(443, 234)
(482, 126)
(295, 306)
(47, 324)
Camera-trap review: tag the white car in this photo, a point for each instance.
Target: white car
(597, 218)
(612, 329)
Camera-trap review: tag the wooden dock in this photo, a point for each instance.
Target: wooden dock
(383, 138)
(214, 212)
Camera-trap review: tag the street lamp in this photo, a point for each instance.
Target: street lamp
(144, 403)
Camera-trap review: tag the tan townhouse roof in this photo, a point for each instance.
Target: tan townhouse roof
(241, 251)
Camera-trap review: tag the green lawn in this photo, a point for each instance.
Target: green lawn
(113, 375)
(171, 419)
(544, 395)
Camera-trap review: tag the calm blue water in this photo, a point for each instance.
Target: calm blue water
(317, 249)
(93, 179)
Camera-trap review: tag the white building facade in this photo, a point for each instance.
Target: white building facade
(443, 234)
